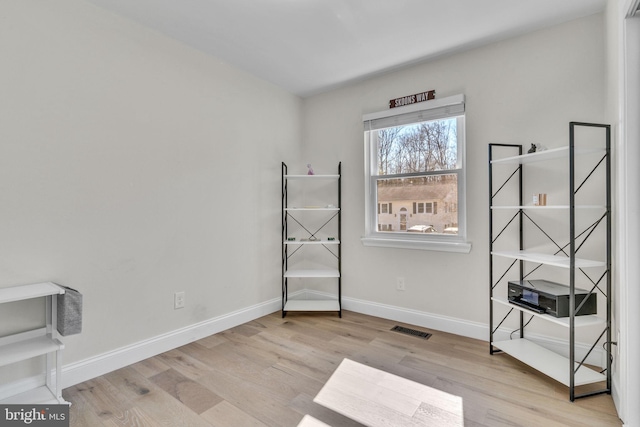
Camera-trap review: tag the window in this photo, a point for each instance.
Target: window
(384, 208)
(429, 208)
(414, 161)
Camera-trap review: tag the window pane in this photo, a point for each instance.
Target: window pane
(420, 147)
(404, 192)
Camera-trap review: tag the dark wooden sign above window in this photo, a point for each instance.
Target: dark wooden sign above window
(412, 99)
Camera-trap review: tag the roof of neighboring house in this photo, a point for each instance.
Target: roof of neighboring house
(431, 191)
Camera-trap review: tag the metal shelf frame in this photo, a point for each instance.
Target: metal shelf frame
(573, 371)
(289, 248)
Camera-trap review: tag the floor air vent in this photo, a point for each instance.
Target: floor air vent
(413, 332)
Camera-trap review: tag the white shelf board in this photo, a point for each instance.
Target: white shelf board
(21, 350)
(312, 242)
(312, 305)
(548, 362)
(36, 290)
(555, 260)
(542, 156)
(580, 321)
(37, 396)
(312, 273)
(335, 176)
(550, 207)
(312, 208)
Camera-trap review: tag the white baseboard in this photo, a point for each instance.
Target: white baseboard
(77, 372)
(419, 318)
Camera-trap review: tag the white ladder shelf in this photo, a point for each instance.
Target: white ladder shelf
(34, 343)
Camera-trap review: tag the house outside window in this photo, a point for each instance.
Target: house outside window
(415, 163)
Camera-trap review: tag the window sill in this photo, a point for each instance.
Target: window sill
(459, 247)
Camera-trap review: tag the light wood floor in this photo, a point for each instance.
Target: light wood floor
(267, 372)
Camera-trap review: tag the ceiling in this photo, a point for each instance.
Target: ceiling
(311, 46)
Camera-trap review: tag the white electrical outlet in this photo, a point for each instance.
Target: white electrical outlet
(400, 284)
(178, 300)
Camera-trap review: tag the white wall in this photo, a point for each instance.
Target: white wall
(522, 90)
(132, 167)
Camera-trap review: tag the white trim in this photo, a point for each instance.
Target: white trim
(418, 318)
(77, 372)
(626, 390)
(430, 245)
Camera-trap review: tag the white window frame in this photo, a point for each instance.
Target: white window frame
(430, 110)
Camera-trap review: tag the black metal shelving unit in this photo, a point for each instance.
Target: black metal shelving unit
(314, 236)
(516, 222)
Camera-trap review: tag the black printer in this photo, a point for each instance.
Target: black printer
(552, 298)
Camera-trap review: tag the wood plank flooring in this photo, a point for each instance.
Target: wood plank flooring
(268, 371)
